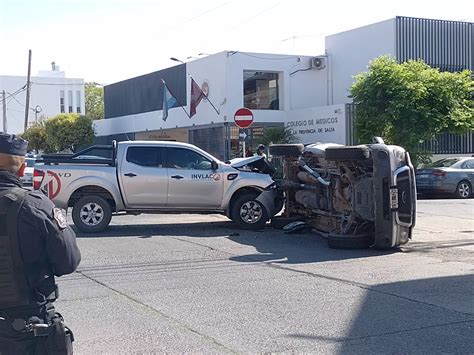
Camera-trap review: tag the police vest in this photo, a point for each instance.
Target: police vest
(14, 291)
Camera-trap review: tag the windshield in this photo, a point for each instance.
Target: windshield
(30, 163)
(444, 163)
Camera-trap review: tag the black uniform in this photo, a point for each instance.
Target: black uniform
(47, 248)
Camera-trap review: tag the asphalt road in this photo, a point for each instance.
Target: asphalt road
(190, 283)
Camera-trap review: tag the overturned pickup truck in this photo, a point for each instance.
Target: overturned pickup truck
(355, 196)
(157, 177)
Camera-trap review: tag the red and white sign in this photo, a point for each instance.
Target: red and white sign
(243, 117)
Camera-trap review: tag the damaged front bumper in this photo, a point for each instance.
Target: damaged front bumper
(272, 199)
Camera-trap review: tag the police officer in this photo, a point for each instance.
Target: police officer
(36, 244)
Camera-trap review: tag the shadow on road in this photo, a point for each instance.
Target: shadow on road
(272, 245)
(438, 197)
(428, 316)
(296, 249)
(198, 229)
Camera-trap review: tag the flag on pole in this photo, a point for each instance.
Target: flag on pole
(168, 100)
(196, 96)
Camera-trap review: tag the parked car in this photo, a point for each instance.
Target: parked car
(27, 179)
(156, 176)
(449, 176)
(354, 196)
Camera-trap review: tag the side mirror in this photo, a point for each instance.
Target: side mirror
(214, 165)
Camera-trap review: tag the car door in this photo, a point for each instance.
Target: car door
(144, 178)
(192, 182)
(468, 169)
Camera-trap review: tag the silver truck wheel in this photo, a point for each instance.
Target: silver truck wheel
(248, 213)
(251, 212)
(91, 214)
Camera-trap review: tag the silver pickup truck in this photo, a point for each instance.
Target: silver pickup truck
(155, 177)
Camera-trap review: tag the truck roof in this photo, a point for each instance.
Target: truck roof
(168, 143)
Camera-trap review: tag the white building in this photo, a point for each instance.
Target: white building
(447, 45)
(308, 94)
(279, 90)
(51, 94)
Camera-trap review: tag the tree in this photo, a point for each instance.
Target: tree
(411, 102)
(68, 131)
(278, 135)
(36, 137)
(94, 101)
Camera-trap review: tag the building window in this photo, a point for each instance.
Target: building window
(261, 90)
(78, 101)
(69, 97)
(61, 101)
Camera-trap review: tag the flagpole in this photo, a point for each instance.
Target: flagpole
(164, 82)
(207, 98)
(218, 112)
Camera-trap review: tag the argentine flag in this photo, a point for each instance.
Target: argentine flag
(168, 101)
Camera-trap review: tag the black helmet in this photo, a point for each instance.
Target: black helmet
(261, 147)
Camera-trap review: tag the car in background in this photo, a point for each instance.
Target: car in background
(27, 179)
(447, 176)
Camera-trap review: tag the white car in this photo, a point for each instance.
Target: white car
(27, 179)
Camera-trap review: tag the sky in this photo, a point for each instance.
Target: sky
(106, 41)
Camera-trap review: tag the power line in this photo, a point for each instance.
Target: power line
(14, 98)
(23, 88)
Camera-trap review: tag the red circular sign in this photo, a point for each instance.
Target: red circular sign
(243, 117)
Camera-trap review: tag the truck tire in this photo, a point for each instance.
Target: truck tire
(347, 153)
(343, 241)
(286, 150)
(248, 213)
(91, 214)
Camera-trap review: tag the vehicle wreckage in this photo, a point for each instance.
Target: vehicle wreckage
(355, 196)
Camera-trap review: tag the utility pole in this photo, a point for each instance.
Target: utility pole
(28, 87)
(4, 104)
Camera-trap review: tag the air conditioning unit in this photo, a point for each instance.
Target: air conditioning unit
(318, 62)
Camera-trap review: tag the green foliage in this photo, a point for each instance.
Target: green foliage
(36, 137)
(411, 102)
(67, 131)
(94, 101)
(278, 135)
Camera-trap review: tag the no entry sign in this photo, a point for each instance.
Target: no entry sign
(243, 117)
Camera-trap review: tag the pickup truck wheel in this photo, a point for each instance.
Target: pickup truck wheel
(248, 213)
(347, 153)
(91, 214)
(343, 241)
(286, 150)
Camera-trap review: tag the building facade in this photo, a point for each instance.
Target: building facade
(307, 94)
(280, 90)
(51, 93)
(447, 45)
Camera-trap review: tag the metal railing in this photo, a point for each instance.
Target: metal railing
(448, 143)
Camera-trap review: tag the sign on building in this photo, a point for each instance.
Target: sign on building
(325, 124)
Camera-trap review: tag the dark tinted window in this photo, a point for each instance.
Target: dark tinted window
(146, 156)
(181, 158)
(30, 163)
(468, 164)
